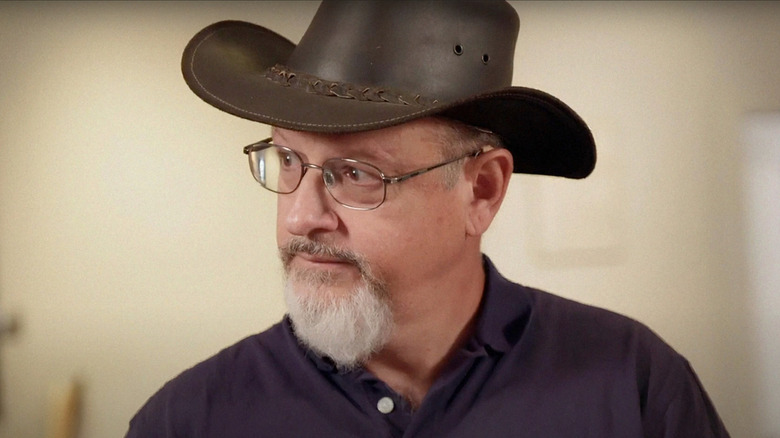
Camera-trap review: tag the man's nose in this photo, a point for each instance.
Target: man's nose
(310, 208)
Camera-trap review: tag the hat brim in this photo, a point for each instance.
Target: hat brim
(225, 64)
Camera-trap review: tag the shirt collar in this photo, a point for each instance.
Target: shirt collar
(504, 311)
(503, 315)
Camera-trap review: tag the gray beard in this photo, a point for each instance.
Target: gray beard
(349, 328)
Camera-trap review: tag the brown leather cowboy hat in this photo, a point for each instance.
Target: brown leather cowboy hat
(367, 65)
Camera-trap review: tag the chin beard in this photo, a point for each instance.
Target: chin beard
(348, 328)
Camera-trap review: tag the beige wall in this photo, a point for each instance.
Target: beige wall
(134, 242)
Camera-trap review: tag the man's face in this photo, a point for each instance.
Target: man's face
(405, 245)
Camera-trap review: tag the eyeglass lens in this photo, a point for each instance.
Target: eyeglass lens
(350, 182)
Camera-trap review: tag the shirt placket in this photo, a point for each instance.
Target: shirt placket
(388, 407)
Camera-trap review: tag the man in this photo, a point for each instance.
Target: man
(395, 133)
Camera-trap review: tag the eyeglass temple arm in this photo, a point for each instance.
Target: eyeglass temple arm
(257, 145)
(412, 174)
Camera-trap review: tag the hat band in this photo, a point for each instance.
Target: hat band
(282, 75)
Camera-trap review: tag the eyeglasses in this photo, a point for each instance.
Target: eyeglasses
(352, 183)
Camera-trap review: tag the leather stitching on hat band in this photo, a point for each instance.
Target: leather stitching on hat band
(282, 75)
(269, 118)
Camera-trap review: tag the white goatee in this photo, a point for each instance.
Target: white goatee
(346, 328)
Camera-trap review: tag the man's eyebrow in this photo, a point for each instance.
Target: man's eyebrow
(275, 133)
(387, 161)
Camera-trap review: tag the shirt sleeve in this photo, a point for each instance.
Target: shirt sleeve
(152, 420)
(677, 406)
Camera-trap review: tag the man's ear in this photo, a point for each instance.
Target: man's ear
(488, 176)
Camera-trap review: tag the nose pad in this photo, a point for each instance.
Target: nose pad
(328, 178)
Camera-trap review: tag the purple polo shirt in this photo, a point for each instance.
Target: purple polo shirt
(537, 365)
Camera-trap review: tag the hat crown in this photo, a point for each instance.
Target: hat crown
(369, 65)
(444, 50)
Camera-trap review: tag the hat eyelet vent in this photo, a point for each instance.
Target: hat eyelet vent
(485, 58)
(458, 49)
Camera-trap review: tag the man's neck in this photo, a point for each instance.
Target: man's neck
(427, 336)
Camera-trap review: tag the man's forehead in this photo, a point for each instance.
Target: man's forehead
(386, 144)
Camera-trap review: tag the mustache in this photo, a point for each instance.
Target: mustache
(298, 245)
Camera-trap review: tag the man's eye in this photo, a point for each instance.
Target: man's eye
(286, 159)
(360, 177)
(354, 174)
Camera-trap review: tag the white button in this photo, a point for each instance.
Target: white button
(385, 405)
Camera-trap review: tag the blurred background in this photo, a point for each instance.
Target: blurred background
(134, 242)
